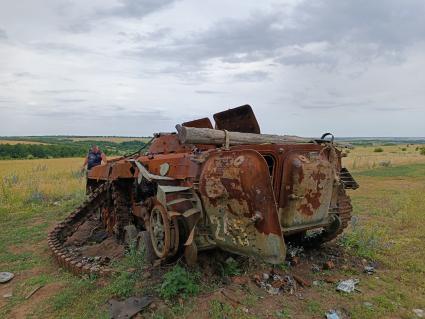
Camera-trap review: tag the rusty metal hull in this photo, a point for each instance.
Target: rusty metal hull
(238, 198)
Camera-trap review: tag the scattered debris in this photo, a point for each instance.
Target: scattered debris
(420, 313)
(294, 250)
(33, 291)
(370, 270)
(302, 281)
(127, 308)
(348, 285)
(6, 277)
(275, 283)
(332, 314)
(295, 260)
(315, 268)
(293, 253)
(328, 265)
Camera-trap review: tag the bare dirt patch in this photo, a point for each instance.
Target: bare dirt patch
(107, 248)
(30, 305)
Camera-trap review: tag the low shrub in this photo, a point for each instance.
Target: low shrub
(364, 242)
(378, 150)
(231, 268)
(179, 282)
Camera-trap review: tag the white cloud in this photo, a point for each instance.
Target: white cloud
(135, 67)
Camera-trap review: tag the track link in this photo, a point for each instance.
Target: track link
(58, 236)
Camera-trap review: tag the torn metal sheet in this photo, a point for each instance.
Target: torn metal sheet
(6, 277)
(348, 285)
(127, 308)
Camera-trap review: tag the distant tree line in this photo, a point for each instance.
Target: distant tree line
(65, 148)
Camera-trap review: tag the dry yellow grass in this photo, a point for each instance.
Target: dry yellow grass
(13, 142)
(40, 180)
(388, 206)
(111, 139)
(364, 157)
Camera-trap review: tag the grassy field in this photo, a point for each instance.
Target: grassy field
(14, 142)
(389, 229)
(116, 139)
(31, 147)
(368, 157)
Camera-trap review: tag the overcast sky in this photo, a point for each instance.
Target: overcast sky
(134, 67)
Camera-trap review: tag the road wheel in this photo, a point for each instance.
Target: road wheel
(159, 229)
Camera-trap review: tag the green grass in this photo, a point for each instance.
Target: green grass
(390, 213)
(75, 290)
(231, 268)
(283, 314)
(364, 241)
(179, 282)
(413, 171)
(313, 308)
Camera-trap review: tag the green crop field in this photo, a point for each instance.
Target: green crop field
(30, 147)
(388, 230)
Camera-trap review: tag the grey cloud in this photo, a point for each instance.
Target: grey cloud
(394, 108)
(155, 35)
(3, 34)
(63, 91)
(307, 58)
(253, 76)
(332, 104)
(251, 39)
(5, 100)
(208, 92)
(81, 26)
(362, 30)
(70, 100)
(135, 8)
(60, 114)
(388, 23)
(64, 48)
(24, 75)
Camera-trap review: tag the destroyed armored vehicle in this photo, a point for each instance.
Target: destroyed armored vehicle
(228, 187)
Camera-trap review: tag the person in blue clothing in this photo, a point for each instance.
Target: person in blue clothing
(94, 157)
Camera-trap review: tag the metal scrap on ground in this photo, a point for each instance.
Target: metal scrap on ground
(348, 285)
(127, 308)
(6, 277)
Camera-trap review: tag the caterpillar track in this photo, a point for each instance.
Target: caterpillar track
(95, 202)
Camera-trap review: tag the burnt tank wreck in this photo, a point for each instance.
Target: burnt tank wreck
(203, 187)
